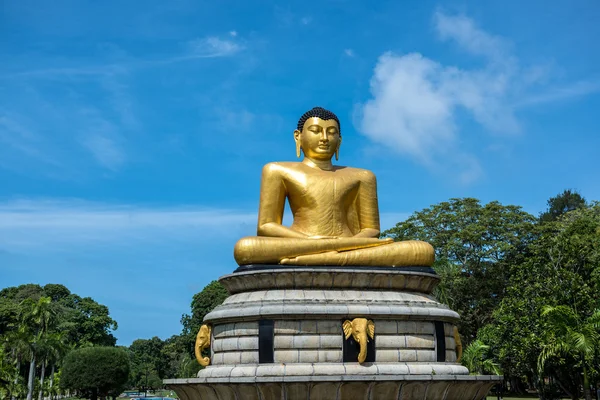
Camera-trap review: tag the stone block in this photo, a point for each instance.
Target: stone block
(342, 280)
(217, 359)
(289, 327)
(304, 279)
(232, 357)
(354, 391)
(227, 344)
(408, 355)
(286, 356)
(308, 356)
(271, 391)
(426, 356)
(284, 280)
(437, 390)
(380, 281)
(258, 296)
(247, 343)
(243, 371)
(390, 341)
(246, 329)
(361, 280)
(385, 390)
(392, 369)
(224, 391)
(308, 326)
(420, 369)
(420, 342)
(329, 369)
(294, 294)
(330, 341)
(249, 357)
(406, 327)
(398, 282)
(414, 390)
(330, 356)
(246, 392)
(328, 327)
(325, 390)
(299, 370)
(295, 391)
(448, 329)
(387, 355)
(283, 342)
(306, 341)
(425, 327)
(270, 370)
(323, 279)
(450, 356)
(386, 326)
(450, 343)
(223, 330)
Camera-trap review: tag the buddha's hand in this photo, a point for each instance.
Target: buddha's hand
(323, 237)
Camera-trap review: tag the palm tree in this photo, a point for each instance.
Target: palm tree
(38, 316)
(51, 349)
(474, 358)
(571, 335)
(17, 344)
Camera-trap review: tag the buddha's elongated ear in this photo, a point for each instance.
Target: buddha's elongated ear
(297, 134)
(337, 150)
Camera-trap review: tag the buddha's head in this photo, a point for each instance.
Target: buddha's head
(318, 134)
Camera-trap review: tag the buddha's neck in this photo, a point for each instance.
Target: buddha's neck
(325, 165)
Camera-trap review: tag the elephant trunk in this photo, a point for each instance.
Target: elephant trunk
(362, 355)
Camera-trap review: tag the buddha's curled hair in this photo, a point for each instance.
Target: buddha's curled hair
(318, 112)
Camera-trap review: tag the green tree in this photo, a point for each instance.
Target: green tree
(475, 245)
(476, 358)
(95, 371)
(561, 204)
(560, 267)
(38, 316)
(568, 334)
(203, 302)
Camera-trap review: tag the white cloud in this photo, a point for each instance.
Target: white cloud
(349, 52)
(233, 33)
(212, 46)
(415, 99)
(305, 20)
(62, 224)
(105, 150)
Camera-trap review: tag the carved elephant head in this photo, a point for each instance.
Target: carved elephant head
(202, 342)
(361, 330)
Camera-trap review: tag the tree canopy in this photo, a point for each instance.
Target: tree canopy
(96, 371)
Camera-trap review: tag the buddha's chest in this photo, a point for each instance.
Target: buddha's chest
(323, 189)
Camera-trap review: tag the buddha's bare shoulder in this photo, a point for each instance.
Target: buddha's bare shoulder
(362, 174)
(280, 167)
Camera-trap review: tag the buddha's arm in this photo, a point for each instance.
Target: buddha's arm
(272, 202)
(367, 208)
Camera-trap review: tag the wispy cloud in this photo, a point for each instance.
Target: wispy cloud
(62, 224)
(212, 46)
(198, 48)
(415, 100)
(349, 52)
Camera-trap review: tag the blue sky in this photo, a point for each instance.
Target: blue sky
(132, 134)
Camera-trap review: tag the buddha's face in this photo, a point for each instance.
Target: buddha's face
(319, 138)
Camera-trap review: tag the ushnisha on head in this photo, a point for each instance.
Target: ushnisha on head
(318, 135)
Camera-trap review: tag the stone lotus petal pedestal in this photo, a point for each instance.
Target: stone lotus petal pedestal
(279, 336)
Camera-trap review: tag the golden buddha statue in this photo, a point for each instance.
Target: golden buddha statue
(336, 216)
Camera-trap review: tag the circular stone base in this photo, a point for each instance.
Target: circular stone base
(379, 381)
